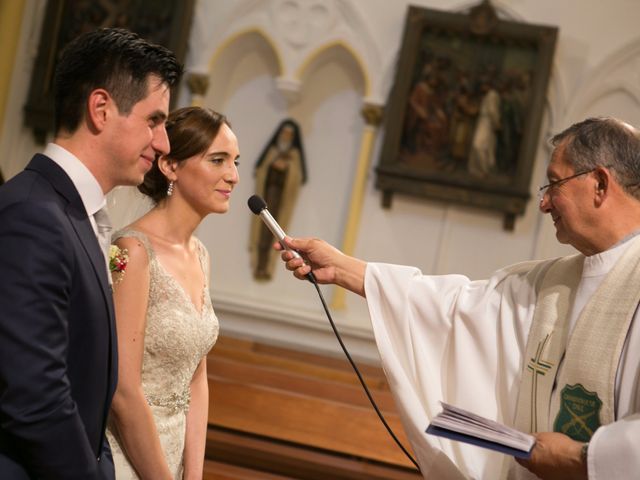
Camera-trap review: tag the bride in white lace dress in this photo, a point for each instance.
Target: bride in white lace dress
(165, 320)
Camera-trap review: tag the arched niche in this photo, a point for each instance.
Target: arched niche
(239, 60)
(344, 56)
(616, 76)
(622, 102)
(333, 85)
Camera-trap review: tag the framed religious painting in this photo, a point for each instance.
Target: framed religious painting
(165, 22)
(463, 117)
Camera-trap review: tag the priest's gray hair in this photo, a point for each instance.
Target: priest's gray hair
(606, 142)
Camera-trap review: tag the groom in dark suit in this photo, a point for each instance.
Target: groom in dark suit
(58, 358)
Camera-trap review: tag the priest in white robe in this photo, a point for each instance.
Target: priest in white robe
(550, 347)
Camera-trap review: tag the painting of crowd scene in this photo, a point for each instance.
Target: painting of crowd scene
(467, 105)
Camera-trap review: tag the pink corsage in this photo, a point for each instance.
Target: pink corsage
(118, 259)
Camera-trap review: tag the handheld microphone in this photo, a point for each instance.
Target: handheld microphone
(259, 207)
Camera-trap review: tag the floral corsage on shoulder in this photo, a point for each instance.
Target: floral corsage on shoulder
(118, 259)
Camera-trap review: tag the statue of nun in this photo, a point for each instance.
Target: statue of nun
(280, 171)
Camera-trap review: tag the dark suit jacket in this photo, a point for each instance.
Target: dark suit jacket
(58, 357)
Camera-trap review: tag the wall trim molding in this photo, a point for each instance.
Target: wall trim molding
(282, 325)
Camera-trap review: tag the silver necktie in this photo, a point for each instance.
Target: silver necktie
(104, 234)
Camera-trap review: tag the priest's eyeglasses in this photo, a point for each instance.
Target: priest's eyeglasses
(548, 188)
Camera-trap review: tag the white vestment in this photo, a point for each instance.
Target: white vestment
(446, 338)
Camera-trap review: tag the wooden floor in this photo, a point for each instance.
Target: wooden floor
(276, 413)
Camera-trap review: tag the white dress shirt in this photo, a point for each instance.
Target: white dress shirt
(86, 184)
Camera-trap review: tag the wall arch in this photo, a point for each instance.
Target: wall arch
(225, 65)
(618, 73)
(345, 55)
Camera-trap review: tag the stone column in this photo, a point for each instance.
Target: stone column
(372, 115)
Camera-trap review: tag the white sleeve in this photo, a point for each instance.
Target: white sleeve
(447, 338)
(613, 450)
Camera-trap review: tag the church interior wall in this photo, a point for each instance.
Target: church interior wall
(320, 62)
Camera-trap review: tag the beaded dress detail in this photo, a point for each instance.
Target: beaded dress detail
(177, 336)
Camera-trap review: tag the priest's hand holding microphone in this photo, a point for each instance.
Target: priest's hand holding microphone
(305, 256)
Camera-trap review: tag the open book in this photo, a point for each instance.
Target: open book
(457, 424)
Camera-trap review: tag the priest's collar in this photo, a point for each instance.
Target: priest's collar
(602, 262)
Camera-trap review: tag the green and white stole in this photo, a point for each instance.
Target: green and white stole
(586, 383)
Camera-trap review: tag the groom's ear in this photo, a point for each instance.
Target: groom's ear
(99, 107)
(167, 167)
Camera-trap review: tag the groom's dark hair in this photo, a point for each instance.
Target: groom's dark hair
(111, 58)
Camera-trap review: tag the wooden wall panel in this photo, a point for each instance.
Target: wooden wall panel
(292, 414)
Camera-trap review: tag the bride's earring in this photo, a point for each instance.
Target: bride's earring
(170, 189)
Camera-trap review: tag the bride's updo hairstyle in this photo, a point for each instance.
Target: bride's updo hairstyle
(191, 130)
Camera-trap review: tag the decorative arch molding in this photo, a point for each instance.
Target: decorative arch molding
(298, 32)
(619, 72)
(231, 43)
(229, 53)
(204, 41)
(327, 50)
(627, 88)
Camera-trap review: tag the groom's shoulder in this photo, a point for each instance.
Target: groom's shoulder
(27, 187)
(28, 199)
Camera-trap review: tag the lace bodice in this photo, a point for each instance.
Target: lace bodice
(177, 336)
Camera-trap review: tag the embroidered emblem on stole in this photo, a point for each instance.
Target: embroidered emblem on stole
(579, 414)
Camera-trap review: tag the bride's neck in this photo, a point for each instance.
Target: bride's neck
(171, 225)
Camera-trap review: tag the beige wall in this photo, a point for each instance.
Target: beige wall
(10, 21)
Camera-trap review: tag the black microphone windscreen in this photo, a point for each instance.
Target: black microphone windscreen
(256, 204)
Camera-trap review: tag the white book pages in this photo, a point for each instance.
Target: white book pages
(461, 421)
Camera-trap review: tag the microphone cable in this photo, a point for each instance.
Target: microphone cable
(313, 280)
(259, 207)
